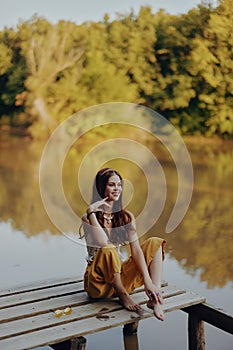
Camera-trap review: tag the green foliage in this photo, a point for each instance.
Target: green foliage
(175, 87)
(16, 76)
(131, 43)
(5, 58)
(213, 69)
(101, 80)
(181, 66)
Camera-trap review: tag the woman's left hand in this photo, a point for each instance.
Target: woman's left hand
(153, 292)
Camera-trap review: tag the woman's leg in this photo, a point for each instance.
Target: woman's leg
(155, 270)
(124, 297)
(103, 278)
(153, 250)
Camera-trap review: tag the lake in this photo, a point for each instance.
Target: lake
(199, 250)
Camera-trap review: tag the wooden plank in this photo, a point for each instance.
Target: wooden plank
(40, 307)
(44, 293)
(213, 315)
(167, 292)
(40, 294)
(91, 325)
(48, 319)
(45, 284)
(29, 324)
(39, 285)
(182, 301)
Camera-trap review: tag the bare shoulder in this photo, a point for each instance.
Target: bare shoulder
(132, 220)
(132, 231)
(130, 215)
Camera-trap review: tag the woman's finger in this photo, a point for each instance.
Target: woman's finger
(152, 296)
(159, 297)
(96, 205)
(103, 201)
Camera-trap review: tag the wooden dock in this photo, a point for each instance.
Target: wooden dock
(27, 315)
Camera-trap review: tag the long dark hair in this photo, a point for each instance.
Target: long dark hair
(121, 219)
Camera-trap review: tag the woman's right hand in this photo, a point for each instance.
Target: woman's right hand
(94, 207)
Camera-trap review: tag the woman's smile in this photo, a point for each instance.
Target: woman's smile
(113, 188)
(115, 193)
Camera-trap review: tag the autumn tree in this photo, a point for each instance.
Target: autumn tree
(130, 42)
(101, 79)
(13, 73)
(174, 89)
(51, 52)
(213, 69)
(178, 65)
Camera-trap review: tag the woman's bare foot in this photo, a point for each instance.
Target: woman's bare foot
(128, 303)
(157, 309)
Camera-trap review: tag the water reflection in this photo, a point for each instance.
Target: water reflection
(201, 242)
(20, 201)
(204, 239)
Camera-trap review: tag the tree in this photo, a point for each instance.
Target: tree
(5, 58)
(180, 66)
(131, 43)
(52, 53)
(174, 88)
(12, 75)
(102, 81)
(213, 68)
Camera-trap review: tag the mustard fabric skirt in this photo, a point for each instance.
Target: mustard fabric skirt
(99, 274)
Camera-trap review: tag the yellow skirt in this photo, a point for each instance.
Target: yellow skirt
(100, 273)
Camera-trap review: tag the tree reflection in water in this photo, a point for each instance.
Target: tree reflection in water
(201, 242)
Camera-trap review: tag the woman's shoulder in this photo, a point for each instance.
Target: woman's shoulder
(131, 221)
(129, 214)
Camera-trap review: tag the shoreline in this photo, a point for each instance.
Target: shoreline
(190, 140)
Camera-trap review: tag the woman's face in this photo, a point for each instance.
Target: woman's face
(113, 188)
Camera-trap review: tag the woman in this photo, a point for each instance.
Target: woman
(106, 226)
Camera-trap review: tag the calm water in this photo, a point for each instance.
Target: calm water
(198, 252)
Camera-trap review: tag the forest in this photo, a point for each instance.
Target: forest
(178, 65)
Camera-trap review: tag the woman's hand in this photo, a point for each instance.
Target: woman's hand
(153, 292)
(94, 207)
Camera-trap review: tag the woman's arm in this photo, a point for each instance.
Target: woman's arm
(139, 259)
(94, 233)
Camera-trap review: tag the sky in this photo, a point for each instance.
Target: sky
(11, 11)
